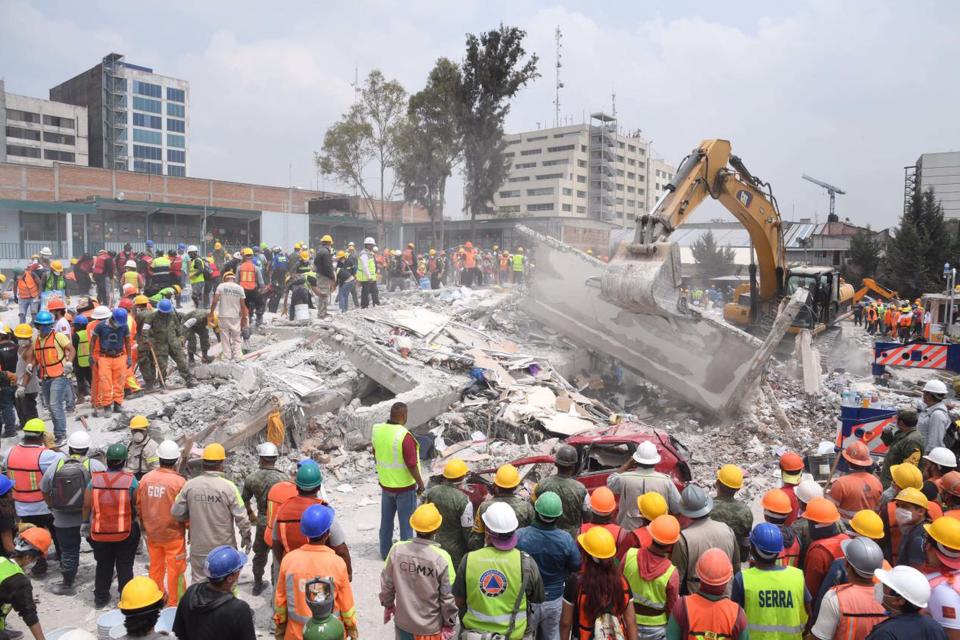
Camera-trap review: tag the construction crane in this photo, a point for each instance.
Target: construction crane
(832, 190)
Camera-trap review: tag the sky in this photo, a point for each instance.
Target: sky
(849, 92)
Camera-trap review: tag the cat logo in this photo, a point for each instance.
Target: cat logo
(493, 583)
(745, 197)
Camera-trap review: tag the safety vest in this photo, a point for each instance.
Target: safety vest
(371, 267)
(247, 275)
(773, 602)
(131, 278)
(176, 266)
(710, 619)
(278, 494)
(50, 355)
(83, 348)
(859, 611)
(112, 516)
(196, 271)
(494, 580)
(288, 521)
(23, 469)
(27, 287)
(388, 451)
(504, 263)
(648, 594)
(214, 268)
(517, 262)
(905, 319)
(790, 556)
(469, 259)
(895, 533)
(160, 266)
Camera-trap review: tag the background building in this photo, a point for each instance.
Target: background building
(138, 119)
(940, 172)
(41, 132)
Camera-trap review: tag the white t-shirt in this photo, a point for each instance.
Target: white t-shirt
(944, 606)
(230, 296)
(63, 326)
(829, 617)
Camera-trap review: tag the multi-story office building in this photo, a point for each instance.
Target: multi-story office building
(939, 172)
(584, 170)
(41, 132)
(138, 119)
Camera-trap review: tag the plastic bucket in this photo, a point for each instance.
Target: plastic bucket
(301, 312)
(56, 633)
(165, 621)
(107, 622)
(117, 632)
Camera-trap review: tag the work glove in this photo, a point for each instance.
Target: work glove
(388, 613)
(20, 392)
(67, 367)
(353, 633)
(446, 633)
(189, 323)
(246, 541)
(85, 530)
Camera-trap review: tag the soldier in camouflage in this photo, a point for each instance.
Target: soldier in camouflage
(195, 328)
(505, 484)
(573, 495)
(904, 443)
(729, 510)
(160, 331)
(256, 486)
(456, 509)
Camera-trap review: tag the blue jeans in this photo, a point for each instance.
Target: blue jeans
(56, 392)
(343, 294)
(545, 619)
(395, 505)
(68, 539)
(29, 306)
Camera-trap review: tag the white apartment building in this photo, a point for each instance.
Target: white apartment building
(940, 173)
(40, 132)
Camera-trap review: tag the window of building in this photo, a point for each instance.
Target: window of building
(620, 172)
(563, 147)
(59, 138)
(641, 164)
(176, 125)
(147, 89)
(176, 170)
(23, 116)
(531, 152)
(520, 179)
(509, 154)
(23, 152)
(631, 190)
(145, 104)
(581, 209)
(581, 194)
(620, 144)
(513, 208)
(581, 179)
(57, 121)
(631, 148)
(175, 155)
(567, 191)
(148, 167)
(59, 156)
(641, 191)
(549, 176)
(631, 203)
(147, 136)
(567, 207)
(558, 135)
(583, 148)
(620, 159)
(536, 138)
(642, 178)
(542, 191)
(177, 95)
(517, 141)
(554, 163)
(173, 140)
(631, 175)
(144, 120)
(540, 207)
(619, 186)
(148, 153)
(510, 193)
(177, 110)
(23, 134)
(631, 162)
(581, 163)
(525, 165)
(619, 200)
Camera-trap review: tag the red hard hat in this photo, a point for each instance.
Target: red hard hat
(858, 454)
(125, 303)
(714, 568)
(56, 304)
(791, 462)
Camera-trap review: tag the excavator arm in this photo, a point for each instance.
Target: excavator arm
(869, 284)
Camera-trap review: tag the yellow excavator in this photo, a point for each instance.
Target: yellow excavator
(644, 276)
(869, 284)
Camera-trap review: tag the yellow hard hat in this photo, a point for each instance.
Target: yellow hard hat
(598, 542)
(652, 505)
(433, 252)
(247, 251)
(217, 245)
(912, 496)
(906, 475)
(507, 477)
(426, 519)
(139, 422)
(3, 278)
(214, 452)
(946, 531)
(519, 249)
(341, 254)
(74, 261)
(327, 238)
(140, 592)
(23, 331)
(867, 523)
(730, 475)
(35, 425)
(297, 245)
(141, 299)
(177, 288)
(455, 469)
(56, 266)
(304, 255)
(589, 252)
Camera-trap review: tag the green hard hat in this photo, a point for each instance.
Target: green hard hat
(548, 505)
(117, 452)
(309, 476)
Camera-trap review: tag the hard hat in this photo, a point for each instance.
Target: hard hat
(822, 511)
(214, 452)
(237, 255)
(100, 313)
(409, 245)
(149, 243)
(309, 477)
(694, 502)
(341, 254)
(117, 452)
(217, 245)
(432, 252)
(223, 561)
(646, 453)
(714, 568)
(165, 306)
(56, 304)
(128, 289)
(950, 482)
(139, 422)
(396, 252)
(56, 266)
(297, 245)
(6, 484)
(767, 540)
(177, 288)
(351, 244)
(863, 554)
(468, 244)
(808, 490)
(602, 501)
(777, 502)
(192, 249)
(938, 455)
(665, 530)
(168, 450)
(548, 505)
(34, 425)
(43, 318)
(267, 450)
(598, 542)
(426, 518)
(906, 582)
(23, 330)
(791, 466)
(141, 299)
(858, 454)
(130, 264)
(906, 475)
(936, 387)
(228, 274)
(79, 440)
(328, 239)
(45, 251)
(34, 539)
(566, 456)
(369, 240)
(304, 255)
(455, 469)
(730, 475)
(500, 518)
(247, 251)
(912, 496)
(138, 593)
(120, 316)
(867, 523)
(125, 304)
(652, 505)
(316, 520)
(507, 477)
(181, 246)
(945, 531)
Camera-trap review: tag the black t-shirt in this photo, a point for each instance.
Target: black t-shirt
(8, 356)
(205, 614)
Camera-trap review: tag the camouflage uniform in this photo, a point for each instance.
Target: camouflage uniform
(257, 485)
(164, 335)
(573, 496)
(452, 534)
(738, 517)
(197, 331)
(902, 446)
(521, 507)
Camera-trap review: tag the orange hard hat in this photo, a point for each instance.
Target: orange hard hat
(468, 244)
(821, 511)
(56, 304)
(665, 529)
(950, 482)
(791, 462)
(776, 501)
(858, 454)
(714, 568)
(602, 501)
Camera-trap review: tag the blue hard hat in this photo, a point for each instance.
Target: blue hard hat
(181, 246)
(316, 521)
(120, 316)
(165, 306)
(80, 321)
(224, 561)
(5, 485)
(767, 539)
(300, 463)
(149, 243)
(43, 318)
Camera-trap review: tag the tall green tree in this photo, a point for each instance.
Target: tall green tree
(712, 260)
(494, 69)
(914, 259)
(864, 256)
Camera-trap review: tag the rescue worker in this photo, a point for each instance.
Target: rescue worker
(573, 495)
(455, 509)
(220, 254)
(131, 276)
(905, 593)
(140, 603)
(142, 450)
(806, 491)
(81, 358)
(934, 417)
(230, 310)
(197, 268)
(26, 291)
(209, 610)
(791, 470)
(636, 477)
(109, 524)
(214, 508)
(950, 491)
(397, 456)
(103, 270)
(776, 510)
(709, 613)
(773, 596)
(53, 358)
(110, 348)
(701, 534)
(903, 543)
(195, 326)
(161, 340)
(159, 273)
(825, 540)
(850, 610)
(326, 278)
(434, 269)
(256, 486)
(301, 565)
(166, 536)
(858, 489)
(651, 505)
(505, 483)
(367, 274)
(8, 382)
(25, 464)
(251, 281)
(16, 592)
(496, 584)
(28, 384)
(653, 579)
(519, 263)
(556, 554)
(603, 509)
(596, 599)
(346, 270)
(903, 476)
(864, 524)
(420, 602)
(727, 509)
(938, 462)
(942, 564)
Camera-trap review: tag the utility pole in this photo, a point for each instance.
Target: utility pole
(559, 85)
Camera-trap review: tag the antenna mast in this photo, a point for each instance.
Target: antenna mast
(559, 85)
(356, 84)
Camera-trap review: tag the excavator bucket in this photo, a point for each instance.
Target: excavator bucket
(646, 283)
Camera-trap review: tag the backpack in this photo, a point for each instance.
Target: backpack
(608, 627)
(69, 482)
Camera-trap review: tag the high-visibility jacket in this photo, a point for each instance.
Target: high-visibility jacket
(247, 275)
(157, 492)
(83, 348)
(23, 469)
(790, 556)
(298, 568)
(276, 497)
(195, 271)
(27, 286)
(906, 319)
(100, 263)
(494, 580)
(131, 277)
(859, 611)
(713, 619)
(111, 519)
(214, 268)
(176, 266)
(288, 520)
(50, 354)
(871, 314)
(55, 282)
(518, 262)
(774, 604)
(504, 263)
(367, 258)
(388, 451)
(160, 266)
(650, 595)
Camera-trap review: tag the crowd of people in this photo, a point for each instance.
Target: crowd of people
(893, 319)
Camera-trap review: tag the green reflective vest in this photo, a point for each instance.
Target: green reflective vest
(196, 270)
(773, 602)
(83, 348)
(652, 594)
(517, 262)
(371, 261)
(8, 569)
(388, 451)
(494, 580)
(131, 278)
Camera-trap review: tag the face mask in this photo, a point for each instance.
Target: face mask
(45, 329)
(139, 435)
(904, 516)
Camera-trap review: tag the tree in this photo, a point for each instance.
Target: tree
(346, 152)
(494, 69)
(914, 259)
(430, 143)
(866, 250)
(712, 261)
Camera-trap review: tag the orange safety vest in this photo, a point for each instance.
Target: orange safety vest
(790, 556)
(27, 287)
(859, 611)
(906, 319)
(831, 544)
(895, 535)
(584, 623)
(278, 494)
(247, 274)
(112, 518)
(23, 469)
(710, 618)
(50, 355)
(288, 521)
(504, 263)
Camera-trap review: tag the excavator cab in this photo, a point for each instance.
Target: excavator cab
(830, 296)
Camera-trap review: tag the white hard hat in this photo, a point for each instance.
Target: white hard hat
(46, 251)
(79, 440)
(168, 450)
(236, 254)
(192, 248)
(500, 518)
(907, 582)
(77, 634)
(647, 453)
(808, 490)
(942, 456)
(369, 240)
(101, 313)
(130, 264)
(267, 450)
(936, 387)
